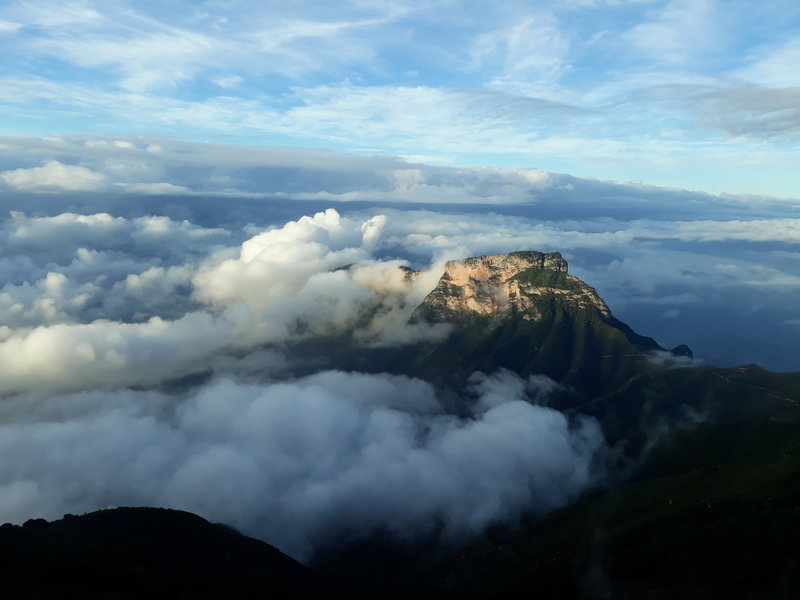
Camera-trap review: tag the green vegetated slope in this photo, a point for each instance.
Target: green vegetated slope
(657, 398)
(574, 346)
(713, 515)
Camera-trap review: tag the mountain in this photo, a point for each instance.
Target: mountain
(144, 553)
(521, 311)
(710, 457)
(705, 482)
(524, 312)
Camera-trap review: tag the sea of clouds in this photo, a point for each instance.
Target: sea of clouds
(143, 335)
(102, 313)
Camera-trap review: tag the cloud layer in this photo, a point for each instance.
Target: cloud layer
(122, 303)
(302, 463)
(715, 272)
(141, 354)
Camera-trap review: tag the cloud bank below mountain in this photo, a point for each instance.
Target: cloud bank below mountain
(301, 463)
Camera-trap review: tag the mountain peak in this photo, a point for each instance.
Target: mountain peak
(513, 284)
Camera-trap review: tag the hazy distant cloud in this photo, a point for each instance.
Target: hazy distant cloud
(774, 65)
(53, 176)
(8, 26)
(330, 457)
(148, 165)
(753, 110)
(679, 31)
(136, 166)
(159, 188)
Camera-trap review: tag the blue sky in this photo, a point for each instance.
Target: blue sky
(698, 94)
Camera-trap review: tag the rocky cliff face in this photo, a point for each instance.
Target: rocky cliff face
(512, 284)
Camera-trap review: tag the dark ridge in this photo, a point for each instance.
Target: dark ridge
(133, 553)
(682, 350)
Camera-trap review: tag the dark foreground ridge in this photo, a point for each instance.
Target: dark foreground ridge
(128, 553)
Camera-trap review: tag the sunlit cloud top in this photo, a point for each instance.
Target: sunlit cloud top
(701, 94)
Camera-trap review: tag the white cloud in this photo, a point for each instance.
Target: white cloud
(106, 354)
(645, 248)
(54, 175)
(118, 302)
(664, 92)
(160, 188)
(144, 62)
(333, 456)
(8, 26)
(56, 14)
(532, 54)
(94, 304)
(228, 81)
(679, 31)
(775, 66)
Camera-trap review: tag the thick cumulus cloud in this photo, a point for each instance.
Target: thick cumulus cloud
(318, 272)
(100, 301)
(110, 354)
(72, 268)
(303, 463)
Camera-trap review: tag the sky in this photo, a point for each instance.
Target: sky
(697, 94)
(181, 184)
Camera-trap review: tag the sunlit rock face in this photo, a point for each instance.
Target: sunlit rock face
(505, 285)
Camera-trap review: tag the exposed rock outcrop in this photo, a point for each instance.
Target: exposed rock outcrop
(503, 285)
